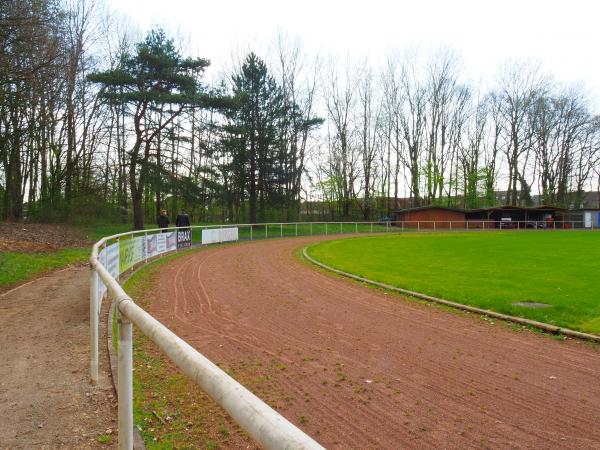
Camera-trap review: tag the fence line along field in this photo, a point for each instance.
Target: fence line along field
(543, 276)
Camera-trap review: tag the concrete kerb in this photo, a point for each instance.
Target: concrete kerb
(532, 323)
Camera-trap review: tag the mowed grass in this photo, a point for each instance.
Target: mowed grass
(486, 270)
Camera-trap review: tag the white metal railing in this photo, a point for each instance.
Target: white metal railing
(262, 423)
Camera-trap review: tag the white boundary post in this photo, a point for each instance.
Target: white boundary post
(94, 327)
(125, 384)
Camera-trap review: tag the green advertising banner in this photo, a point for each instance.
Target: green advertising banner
(131, 252)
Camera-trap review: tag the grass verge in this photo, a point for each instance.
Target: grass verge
(487, 270)
(16, 267)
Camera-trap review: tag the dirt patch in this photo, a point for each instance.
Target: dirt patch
(359, 368)
(36, 237)
(46, 400)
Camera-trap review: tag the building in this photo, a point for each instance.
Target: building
(430, 217)
(440, 217)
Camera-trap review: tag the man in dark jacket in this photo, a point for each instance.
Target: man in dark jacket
(182, 219)
(163, 219)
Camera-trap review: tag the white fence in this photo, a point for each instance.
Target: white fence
(113, 255)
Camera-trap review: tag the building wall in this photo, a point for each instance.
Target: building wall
(424, 218)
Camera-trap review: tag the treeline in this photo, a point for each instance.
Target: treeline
(97, 123)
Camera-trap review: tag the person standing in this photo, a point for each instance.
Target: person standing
(163, 220)
(182, 219)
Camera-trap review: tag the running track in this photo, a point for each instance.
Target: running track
(359, 368)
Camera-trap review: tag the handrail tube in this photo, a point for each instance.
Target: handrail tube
(265, 425)
(261, 422)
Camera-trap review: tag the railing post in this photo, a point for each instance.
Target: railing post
(371, 227)
(403, 226)
(125, 384)
(419, 226)
(311, 228)
(250, 232)
(94, 327)
(146, 246)
(325, 228)
(296, 229)
(266, 231)
(341, 227)
(450, 225)
(434, 225)
(280, 230)
(356, 227)
(387, 226)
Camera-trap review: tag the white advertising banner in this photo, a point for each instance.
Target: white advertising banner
(112, 260)
(216, 235)
(152, 245)
(171, 241)
(101, 287)
(160, 243)
(109, 258)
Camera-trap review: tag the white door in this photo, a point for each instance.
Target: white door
(587, 218)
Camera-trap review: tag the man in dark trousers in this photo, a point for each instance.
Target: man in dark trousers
(163, 220)
(182, 220)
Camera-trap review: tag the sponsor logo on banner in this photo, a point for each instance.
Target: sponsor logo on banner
(151, 245)
(216, 235)
(131, 252)
(184, 238)
(171, 241)
(109, 258)
(112, 260)
(161, 242)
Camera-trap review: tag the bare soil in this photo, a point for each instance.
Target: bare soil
(360, 368)
(38, 237)
(46, 399)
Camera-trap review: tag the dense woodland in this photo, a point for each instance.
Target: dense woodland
(100, 123)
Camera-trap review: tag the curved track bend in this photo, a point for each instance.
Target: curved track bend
(360, 368)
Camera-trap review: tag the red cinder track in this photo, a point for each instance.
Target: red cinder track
(359, 368)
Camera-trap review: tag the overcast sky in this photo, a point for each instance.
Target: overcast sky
(562, 34)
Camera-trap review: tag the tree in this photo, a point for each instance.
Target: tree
(156, 84)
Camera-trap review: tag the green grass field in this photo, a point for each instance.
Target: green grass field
(486, 270)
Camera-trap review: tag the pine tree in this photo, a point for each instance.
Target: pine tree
(156, 84)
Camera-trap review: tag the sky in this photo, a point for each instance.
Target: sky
(563, 35)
